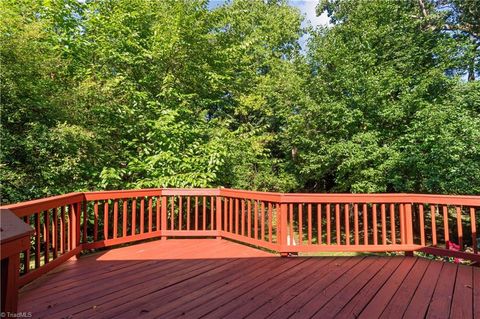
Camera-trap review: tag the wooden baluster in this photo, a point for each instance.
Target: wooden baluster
(172, 213)
(95, 221)
(392, 224)
(347, 224)
(230, 216)
(157, 214)
(292, 236)
(46, 225)
(62, 230)
(236, 216)
(78, 208)
(204, 209)
(434, 225)
(374, 221)
(55, 233)
(218, 217)
(115, 218)
(85, 221)
(105, 220)
(445, 224)
(142, 215)
(270, 222)
(422, 224)
(37, 240)
(262, 221)
(150, 214)
(300, 224)
(459, 227)
(163, 218)
(355, 221)
(212, 219)
(196, 212)
(255, 219)
(402, 224)
(225, 214)
(319, 223)
(329, 229)
(309, 216)
(337, 223)
(180, 212)
(243, 217)
(70, 228)
(249, 218)
(134, 217)
(474, 229)
(365, 224)
(384, 224)
(124, 217)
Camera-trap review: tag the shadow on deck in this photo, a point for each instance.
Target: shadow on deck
(221, 279)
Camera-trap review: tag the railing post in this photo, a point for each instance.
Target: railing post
(163, 226)
(408, 227)
(14, 238)
(218, 212)
(283, 229)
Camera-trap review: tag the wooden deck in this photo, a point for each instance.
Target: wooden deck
(221, 279)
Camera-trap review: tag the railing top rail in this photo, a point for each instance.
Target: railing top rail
(33, 206)
(38, 205)
(237, 193)
(382, 198)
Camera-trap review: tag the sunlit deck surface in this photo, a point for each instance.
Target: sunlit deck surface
(221, 279)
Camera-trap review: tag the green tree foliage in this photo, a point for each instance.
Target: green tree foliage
(389, 117)
(144, 93)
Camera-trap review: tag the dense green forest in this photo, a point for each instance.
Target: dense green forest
(144, 93)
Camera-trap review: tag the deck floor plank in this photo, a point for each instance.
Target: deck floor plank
(463, 291)
(194, 298)
(221, 279)
(207, 304)
(399, 302)
(241, 306)
(355, 306)
(442, 296)
(272, 303)
(476, 292)
(418, 306)
(147, 300)
(346, 294)
(376, 306)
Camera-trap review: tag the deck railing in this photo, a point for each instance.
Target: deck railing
(287, 223)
